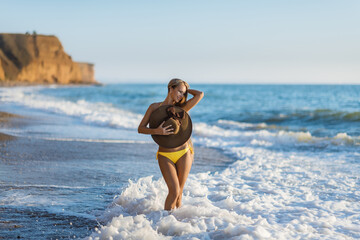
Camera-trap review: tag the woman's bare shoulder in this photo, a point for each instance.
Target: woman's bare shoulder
(154, 105)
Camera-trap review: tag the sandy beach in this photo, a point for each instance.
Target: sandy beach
(4, 83)
(5, 119)
(5, 137)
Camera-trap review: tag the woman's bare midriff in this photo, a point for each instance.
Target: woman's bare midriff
(188, 143)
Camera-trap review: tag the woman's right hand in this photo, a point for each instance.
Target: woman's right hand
(161, 130)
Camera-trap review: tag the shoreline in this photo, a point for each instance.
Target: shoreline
(7, 83)
(5, 137)
(6, 118)
(68, 184)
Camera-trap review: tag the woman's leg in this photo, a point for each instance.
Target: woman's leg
(183, 166)
(168, 171)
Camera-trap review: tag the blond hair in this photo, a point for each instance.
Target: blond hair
(176, 82)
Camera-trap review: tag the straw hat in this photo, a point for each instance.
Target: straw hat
(180, 121)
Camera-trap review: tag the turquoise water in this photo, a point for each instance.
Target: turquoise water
(295, 145)
(324, 110)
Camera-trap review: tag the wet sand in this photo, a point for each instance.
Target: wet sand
(5, 137)
(5, 120)
(7, 83)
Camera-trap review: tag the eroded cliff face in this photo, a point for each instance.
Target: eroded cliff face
(40, 59)
(2, 73)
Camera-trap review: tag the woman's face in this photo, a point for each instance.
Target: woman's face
(178, 92)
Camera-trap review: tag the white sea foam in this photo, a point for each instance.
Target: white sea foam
(98, 113)
(27, 198)
(243, 125)
(267, 195)
(227, 135)
(47, 186)
(34, 195)
(95, 140)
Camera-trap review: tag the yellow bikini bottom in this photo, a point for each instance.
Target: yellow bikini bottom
(175, 156)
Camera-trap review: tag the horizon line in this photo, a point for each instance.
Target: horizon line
(229, 83)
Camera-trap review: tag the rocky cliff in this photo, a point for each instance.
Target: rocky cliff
(40, 59)
(2, 73)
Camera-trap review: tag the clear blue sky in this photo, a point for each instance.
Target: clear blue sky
(254, 41)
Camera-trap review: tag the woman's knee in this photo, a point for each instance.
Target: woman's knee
(175, 192)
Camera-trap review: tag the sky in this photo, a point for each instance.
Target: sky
(253, 41)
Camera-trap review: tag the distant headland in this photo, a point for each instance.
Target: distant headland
(28, 59)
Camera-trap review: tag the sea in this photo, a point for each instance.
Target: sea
(283, 162)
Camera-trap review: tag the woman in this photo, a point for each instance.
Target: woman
(175, 163)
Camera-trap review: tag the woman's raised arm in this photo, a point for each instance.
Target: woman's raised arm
(197, 96)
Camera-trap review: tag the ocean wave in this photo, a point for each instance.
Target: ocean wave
(339, 115)
(236, 133)
(26, 197)
(322, 115)
(27, 186)
(97, 113)
(95, 140)
(245, 125)
(222, 132)
(267, 195)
